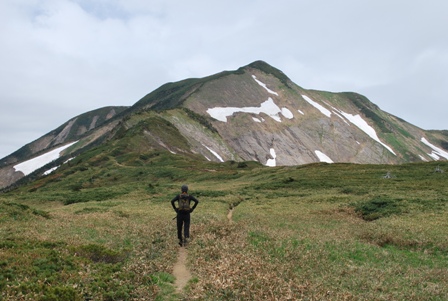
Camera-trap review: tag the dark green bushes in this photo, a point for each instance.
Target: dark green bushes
(17, 211)
(377, 208)
(98, 253)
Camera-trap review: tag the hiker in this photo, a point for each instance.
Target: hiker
(183, 213)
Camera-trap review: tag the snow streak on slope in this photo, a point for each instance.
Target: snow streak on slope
(317, 106)
(214, 153)
(366, 128)
(264, 85)
(31, 165)
(355, 119)
(436, 150)
(54, 168)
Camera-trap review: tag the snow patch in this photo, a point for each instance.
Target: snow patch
(51, 170)
(276, 117)
(256, 119)
(287, 113)
(268, 107)
(365, 127)
(31, 165)
(214, 153)
(264, 85)
(272, 162)
(317, 106)
(423, 158)
(322, 157)
(339, 115)
(300, 112)
(434, 156)
(437, 152)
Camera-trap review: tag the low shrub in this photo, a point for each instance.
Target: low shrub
(98, 253)
(377, 207)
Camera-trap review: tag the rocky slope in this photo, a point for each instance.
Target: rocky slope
(82, 126)
(255, 113)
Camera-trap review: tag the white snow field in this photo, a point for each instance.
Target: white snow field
(31, 165)
(322, 157)
(437, 152)
(272, 162)
(268, 107)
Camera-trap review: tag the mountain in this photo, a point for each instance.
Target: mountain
(79, 127)
(255, 113)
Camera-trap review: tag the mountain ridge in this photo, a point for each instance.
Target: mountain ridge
(255, 113)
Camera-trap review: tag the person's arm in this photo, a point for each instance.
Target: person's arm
(176, 198)
(192, 198)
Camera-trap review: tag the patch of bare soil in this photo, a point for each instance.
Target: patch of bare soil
(180, 270)
(229, 215)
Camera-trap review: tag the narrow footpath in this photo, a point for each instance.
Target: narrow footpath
(180, 270)
(229, 215)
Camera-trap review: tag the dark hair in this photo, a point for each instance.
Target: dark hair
(184, 188)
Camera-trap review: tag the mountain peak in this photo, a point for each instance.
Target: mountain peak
(268, 69)
(255, 113)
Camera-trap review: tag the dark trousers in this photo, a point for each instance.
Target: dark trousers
(183, 219)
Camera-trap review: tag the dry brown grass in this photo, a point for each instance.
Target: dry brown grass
(295, 235)
(314, 253)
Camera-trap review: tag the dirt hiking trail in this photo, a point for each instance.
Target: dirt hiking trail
(229, 215)
(180, 271)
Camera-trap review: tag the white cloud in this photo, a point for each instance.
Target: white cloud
(62, 58)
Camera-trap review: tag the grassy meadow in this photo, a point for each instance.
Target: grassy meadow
(101, 228)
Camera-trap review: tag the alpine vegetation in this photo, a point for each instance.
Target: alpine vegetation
(285, 194)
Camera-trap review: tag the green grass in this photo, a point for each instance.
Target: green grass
(101, 228)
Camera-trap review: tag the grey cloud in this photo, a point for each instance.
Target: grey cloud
(68, 57)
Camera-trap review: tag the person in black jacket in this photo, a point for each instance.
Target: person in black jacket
(183, 213)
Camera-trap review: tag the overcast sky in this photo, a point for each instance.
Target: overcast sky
(62, 58)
